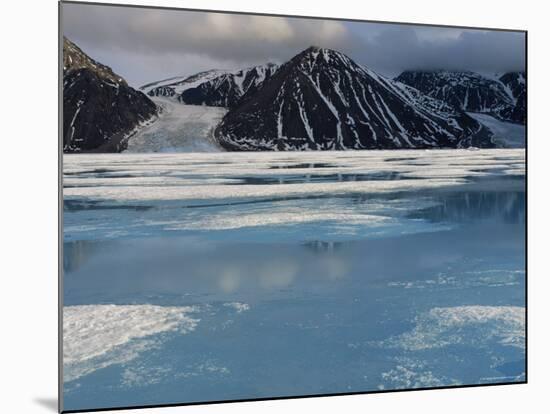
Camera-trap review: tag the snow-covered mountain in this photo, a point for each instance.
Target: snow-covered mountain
(173, 87)
(517, 84)
(227, 89)
(100, 110)
(321, 100)
(213, 87)
(467, 91)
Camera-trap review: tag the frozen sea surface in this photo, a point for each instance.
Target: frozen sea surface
(245, 275)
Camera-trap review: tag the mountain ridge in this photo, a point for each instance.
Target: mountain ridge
(465, 90)
(214, 87)
(228, 89)
(320, 99)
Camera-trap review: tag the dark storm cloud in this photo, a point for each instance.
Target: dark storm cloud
(149, 44)
(401, 47)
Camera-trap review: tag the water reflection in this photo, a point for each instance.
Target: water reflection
(315, 178)
(178, 271)
(304, 165)
(459, 207)
(320, 246)
(80, 205)
(199, 262)
(77, 253)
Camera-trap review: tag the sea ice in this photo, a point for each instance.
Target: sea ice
(96, 336)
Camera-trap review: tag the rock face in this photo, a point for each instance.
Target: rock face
(322, 100)
(468, 91)
(214, 87)
(517, 84)
(100, 110)
(165, 91)
(173, 87)
(227, 89)
(74, 58)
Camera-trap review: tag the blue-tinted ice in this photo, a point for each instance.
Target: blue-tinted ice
(199, 277)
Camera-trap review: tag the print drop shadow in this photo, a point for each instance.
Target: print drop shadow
(49, 403)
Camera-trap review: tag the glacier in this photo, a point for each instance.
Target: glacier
(179, 128)
(506, 134)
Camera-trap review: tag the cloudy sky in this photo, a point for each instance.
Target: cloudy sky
(145, 45)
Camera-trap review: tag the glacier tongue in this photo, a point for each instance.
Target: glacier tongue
(506, 134)
(180, 128)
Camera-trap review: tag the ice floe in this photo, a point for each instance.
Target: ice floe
(464, 325)
(96, 336)
(135, 177)
(238, 306)
(411, 373)
(463, 279)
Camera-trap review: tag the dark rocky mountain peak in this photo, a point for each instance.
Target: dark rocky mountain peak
(100, 110)
(321, 99)
(74, 58)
